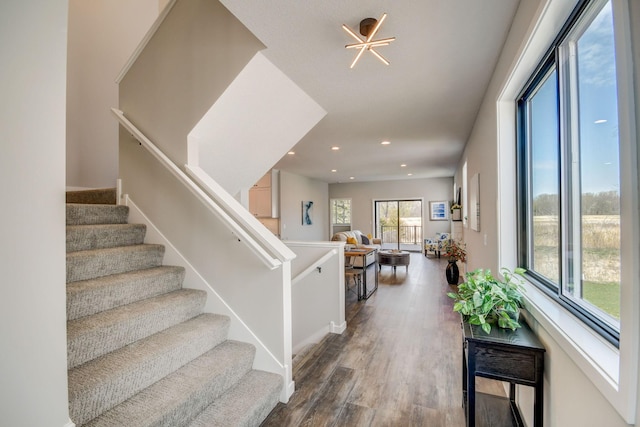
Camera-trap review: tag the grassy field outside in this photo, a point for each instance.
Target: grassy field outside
(600, 239)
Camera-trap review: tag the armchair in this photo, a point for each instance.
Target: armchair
(430, 246)
(436, 244)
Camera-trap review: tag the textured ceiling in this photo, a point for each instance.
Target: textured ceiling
(425, 103)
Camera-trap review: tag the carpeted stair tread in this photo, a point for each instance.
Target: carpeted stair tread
(87, 297)
(105, 196)
(182, 395)
(246, 404)
(93, 336)
(140, 351)
(103, 383)
(99, 236)
(83, 265)
(85, 214)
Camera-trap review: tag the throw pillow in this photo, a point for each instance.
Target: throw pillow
(365, 240)
(352, 241)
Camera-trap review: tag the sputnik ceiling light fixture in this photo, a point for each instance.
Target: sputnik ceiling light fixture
(368, 28)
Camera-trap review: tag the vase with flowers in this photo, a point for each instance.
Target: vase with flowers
(455, 251)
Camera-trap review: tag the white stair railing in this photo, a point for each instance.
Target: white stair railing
(317, 264)
(269, 249)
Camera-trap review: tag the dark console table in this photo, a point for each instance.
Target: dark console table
(516, 357)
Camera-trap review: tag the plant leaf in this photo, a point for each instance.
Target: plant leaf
(486, 327)
(477, 299)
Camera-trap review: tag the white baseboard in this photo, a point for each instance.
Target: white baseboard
(317, 336)
(338, 329)
(70, 424)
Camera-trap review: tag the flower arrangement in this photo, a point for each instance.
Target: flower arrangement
(455, 251)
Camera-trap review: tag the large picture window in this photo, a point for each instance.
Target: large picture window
(569, 171)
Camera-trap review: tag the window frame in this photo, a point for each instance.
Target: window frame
(332, 206)
(552, 62)
(612, 371)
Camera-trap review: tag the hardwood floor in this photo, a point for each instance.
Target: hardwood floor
(397, 364)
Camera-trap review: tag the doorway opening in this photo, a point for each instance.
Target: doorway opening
(399, 224)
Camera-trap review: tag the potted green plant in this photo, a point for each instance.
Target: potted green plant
(456, 212)
(455, 251)
(485, 300)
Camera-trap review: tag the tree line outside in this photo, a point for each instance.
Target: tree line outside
(603, 203)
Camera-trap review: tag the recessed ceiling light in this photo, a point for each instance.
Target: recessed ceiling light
(600, 121)
(385, 142)
(335, 148)
(291, 153)
(403, 165)
(334, 170)
(352, 177)
(409, 174)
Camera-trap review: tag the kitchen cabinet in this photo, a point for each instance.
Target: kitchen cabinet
(264, 200)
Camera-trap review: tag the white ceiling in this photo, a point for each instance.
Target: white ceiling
(425, 103)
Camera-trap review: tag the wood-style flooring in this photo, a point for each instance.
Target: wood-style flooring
(397, 364)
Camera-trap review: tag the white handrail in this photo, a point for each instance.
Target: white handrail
(304, 273)
(241, 215)
(272, 252)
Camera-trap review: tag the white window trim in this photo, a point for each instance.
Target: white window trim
(613, 371)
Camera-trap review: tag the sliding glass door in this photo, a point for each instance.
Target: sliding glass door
(399, 224)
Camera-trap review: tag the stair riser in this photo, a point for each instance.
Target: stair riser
(99, 385)
(96, 214)
(86, 265)
(104, 196)
(180, 396)
(94, 336)
(246, 404)
(89, 297)
(87, 237)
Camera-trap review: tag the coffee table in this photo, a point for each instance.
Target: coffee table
(394, 259)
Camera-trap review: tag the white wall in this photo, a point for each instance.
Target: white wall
(571, 398)
(362, 195)
(318, 298)
(33, 359)
(293, 190)
(258, 118)
(102, 35)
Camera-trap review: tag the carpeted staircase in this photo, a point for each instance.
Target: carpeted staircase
(141, 352)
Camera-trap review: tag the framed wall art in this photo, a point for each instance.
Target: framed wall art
(307, 212)
(474, 202)
(439, 211)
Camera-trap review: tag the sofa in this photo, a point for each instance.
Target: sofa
(354, 239)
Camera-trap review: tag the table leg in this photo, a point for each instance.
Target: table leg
(538, 402)
(471, 385)
(464, 378)
(375, 264)
(364, 276)
(376, 267)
